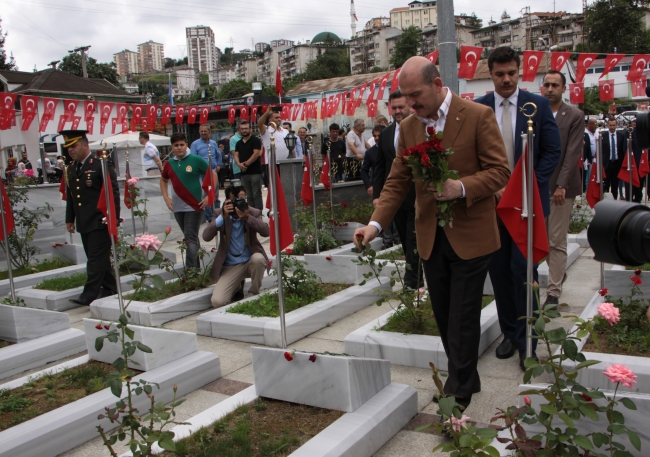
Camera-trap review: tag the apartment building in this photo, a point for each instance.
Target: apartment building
(372, 47)
(260, 47)
(417, 13)
(152, 56)
(201, 51)
(127, 62)
(280, 43)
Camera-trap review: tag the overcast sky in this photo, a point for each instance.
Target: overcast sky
(41, 31)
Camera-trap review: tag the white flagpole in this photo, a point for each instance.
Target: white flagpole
(309, 158)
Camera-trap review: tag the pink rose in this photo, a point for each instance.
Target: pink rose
(609, 312)
(457, 424)
(527, 400)
(617, 372)
(148, 242)
(29, 173)
(132, 182)
(168, 230)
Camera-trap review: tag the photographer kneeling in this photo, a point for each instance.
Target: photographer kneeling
(240, 254)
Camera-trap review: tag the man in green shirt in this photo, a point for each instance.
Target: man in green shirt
(185, 171)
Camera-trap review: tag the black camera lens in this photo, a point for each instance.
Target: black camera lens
(240, 203)
(620, 233)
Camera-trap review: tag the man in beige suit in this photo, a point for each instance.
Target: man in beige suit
(565, 182)
(455, 259)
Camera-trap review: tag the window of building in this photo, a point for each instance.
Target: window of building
(625, 68)
(515, 37)
(616, 69)
(407, 22)
(396, 23)
(590, 71)
(417, 21)
(599, 70)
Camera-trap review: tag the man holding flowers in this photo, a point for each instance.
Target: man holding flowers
(458, 162)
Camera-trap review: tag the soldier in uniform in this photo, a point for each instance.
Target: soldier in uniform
(84, 183)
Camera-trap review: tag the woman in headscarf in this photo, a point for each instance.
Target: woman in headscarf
(11, 167)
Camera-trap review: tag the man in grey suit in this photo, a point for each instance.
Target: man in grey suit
(565, 183)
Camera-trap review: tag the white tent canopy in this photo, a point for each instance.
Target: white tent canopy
(128, 141)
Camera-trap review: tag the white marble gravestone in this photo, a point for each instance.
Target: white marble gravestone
(19, 323)
(343, 383)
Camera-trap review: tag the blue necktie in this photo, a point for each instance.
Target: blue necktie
(613, 148)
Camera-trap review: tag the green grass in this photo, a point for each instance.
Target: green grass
(170, 289)
(4, 344)
(45, 265)
(397, 254)
(402, 320)
(645, 267)
(63, 283)
(267, 305)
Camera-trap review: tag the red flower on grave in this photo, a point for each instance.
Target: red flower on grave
(288, 356)
(431, 130)
(98, 326)
(603, 292)
(329, 257)
(587, 397)
(637, 272)
(636, 280)
(288, 251)
(312, 358)
(107, 327)
(527, 400)
(344, 204)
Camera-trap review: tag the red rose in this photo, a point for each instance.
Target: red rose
(107, 327)
(329, 257)
(637, 272)
(431, 130)
(312, 358)
(424, 158)
(603, 292)
(98, 326)
(636, 280)
(288, 356)
(270, 264)
(344, 205)
(586, 397)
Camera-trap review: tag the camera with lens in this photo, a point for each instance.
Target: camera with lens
(240, 203)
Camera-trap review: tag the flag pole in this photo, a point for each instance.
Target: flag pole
(126, 184)
(116, 266)
(329, 172)
(5, 240)
(630, 157)
(276, 226)
(309, 157)
(528, 153)
(599, 178)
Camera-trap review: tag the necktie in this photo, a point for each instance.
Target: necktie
(613, 148)
(396, 139)
(79, 164)
(506, 132)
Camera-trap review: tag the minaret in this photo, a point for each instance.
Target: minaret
(353, 19)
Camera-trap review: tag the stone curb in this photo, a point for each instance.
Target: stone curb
(413, 350)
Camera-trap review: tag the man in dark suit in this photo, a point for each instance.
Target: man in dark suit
(84, 182)
(455, 259)
(589, 152)
(637, 192)
(614, 148)
(565, 184)
(405, 217)
(508, 265)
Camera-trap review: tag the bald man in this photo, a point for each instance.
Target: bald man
(455, 260)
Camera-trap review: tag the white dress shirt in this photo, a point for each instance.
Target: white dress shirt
(498, 112)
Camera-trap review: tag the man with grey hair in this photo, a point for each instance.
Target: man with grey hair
(151, 158)
(356, 148)
(202, 147)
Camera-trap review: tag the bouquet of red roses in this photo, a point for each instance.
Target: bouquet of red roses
(428, 161)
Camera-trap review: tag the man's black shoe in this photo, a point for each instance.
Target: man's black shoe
(522, 358)
(551, 300)
(387, 245)
(79, 301)
(506, 349)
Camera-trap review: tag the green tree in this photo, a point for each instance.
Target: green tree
(407, 46)
(616, 25)
(234, 89)
(333, 62)
(72, 64)
(472, 20)
(593, 105)
(4, 63)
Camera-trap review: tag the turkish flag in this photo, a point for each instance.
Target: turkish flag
(278, 80)
(295, 111)
(217, 108)
(166, 114)
(49, 107)
(28, 118)
(264, 108)
(122, 109)
(510, 209)
(593, 190)
(9, 224)
(113, 125)
(323, 109)
(44, 121)
(125, 125)
(606, 88)
(105, 109)
(192, 111)
(28, 104)
(624, 174)
(64, 193)
(204, 110)
(577, 92)
(584, 62)
(350, 108)
(394, 84)
(305, 190)
(639, 63)
(282, 213)
(180, 113)
(382, 86)
(644, 166)
(610, 62)
(372, 108)
(70, 109)
(467, 96)
(145, 125)
(90, 124)
(243, 113)
(209, 187)
(433, 57)
(638, 87)
(128, 197)
(286, 111)
(108, 212)
(559, 59)
(254, 109)
(325, 173)
(344, 98)
(138, 111)
(89, 109)
(8, 100)
(531, 62)
(232, 110)
(75, 122)
(102, 127)
(152, 114)
(362, 92)
(469, 57)
(371, 90)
